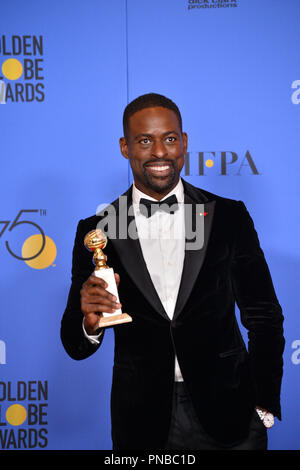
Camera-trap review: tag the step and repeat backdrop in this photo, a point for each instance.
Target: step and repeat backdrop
(67, 70)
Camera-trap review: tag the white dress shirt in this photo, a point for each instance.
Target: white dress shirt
(162, 240)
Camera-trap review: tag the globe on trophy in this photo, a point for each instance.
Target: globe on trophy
(96, 241)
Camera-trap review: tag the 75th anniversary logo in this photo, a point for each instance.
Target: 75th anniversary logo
(38, 250)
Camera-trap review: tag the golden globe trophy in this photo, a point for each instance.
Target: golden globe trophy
(96, 241)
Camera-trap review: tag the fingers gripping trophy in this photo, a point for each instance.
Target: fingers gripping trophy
(96, 241)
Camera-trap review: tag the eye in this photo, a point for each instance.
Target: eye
(171, 139)
(144, 141)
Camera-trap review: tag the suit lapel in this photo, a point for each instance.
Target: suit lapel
(130, 253)
(202, 217)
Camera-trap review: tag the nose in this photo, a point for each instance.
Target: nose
(159, 149)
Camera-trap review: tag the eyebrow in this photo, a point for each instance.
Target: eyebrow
(151, 135)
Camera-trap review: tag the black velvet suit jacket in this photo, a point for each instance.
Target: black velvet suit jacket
(224, 378)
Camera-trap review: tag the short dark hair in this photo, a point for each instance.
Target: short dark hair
(150, 100)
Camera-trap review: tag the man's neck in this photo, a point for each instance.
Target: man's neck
(157, 196)
(178, 190)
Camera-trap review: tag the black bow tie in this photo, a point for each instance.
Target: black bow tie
(148, 208)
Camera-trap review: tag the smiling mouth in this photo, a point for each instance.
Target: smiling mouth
(159, 168)
(156, 169)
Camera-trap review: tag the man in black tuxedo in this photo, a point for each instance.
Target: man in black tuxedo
(182, 377)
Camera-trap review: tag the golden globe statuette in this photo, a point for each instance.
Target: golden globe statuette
(96, 241)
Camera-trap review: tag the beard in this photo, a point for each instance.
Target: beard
(162, 184)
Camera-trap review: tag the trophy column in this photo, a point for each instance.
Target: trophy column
(96, 241)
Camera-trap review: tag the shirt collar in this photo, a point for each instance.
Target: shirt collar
(178, 191)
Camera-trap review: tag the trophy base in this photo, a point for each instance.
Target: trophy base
(112, 320)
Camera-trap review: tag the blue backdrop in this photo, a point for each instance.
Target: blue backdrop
(67, 70)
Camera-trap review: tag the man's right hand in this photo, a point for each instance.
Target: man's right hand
(96, 299)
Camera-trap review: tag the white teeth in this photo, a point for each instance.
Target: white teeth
(159, 168)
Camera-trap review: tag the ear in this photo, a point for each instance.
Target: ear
(185, 141)
(124, 147)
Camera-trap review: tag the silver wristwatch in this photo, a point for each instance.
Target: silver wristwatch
(266, 417)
